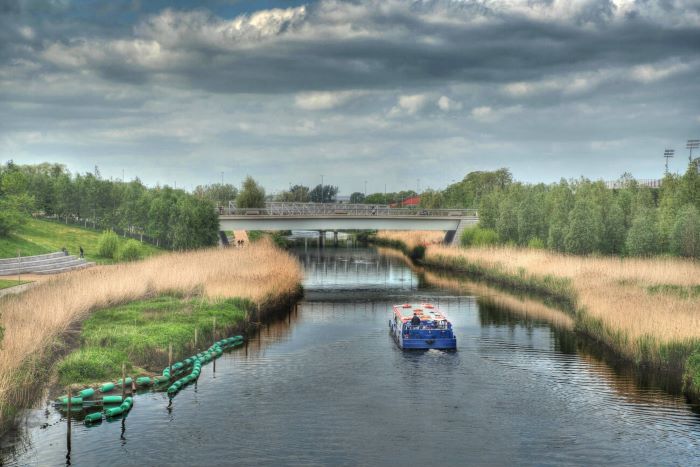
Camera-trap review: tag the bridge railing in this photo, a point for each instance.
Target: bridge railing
(338, 209)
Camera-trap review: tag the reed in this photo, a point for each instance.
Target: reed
(36, 322)
(411, 239)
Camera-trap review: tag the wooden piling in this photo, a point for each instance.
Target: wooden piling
(195, 341)
(123, 381)
(68, 431)
(213, 332)
(170, 359)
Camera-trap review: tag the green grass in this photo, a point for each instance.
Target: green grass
(139, 334)
(677, 290)
(5, 283)
(37, 237)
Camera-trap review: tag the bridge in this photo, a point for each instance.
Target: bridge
(333, 216)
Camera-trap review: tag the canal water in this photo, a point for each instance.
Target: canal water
(328, 386)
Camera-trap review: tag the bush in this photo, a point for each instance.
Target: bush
(418, 252)
(477, 236)
(131, 251)
(685, 236)
(535, 242)
(108, 244)
(643, 238)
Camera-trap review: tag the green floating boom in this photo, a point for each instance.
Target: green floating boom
(112, 400)
(87, 393)
(73, 400)
(107, 387)
(93, 417)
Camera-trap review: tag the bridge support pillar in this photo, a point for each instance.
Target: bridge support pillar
(321, 238)
(335, 238)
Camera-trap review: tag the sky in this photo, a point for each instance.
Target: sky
(407, 94)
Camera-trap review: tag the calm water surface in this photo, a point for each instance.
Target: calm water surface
(327, 385)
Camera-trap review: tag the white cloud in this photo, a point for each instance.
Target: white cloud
(323, 100)
(409, 104)
(446, 104)
(650, 73)
(487, 114)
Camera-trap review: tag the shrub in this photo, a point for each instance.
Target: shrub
(418, 252)
(535, 242)
(478, 236)
(108, 244)
(685, 236)
(131, 251)
(643, 238)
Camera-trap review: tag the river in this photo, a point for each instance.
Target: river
(328, 385)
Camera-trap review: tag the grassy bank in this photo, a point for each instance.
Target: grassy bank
(5, 283)
(43, 323)
(645, 310)
(138, 334)
(37, 237)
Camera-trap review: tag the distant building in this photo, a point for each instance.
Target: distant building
(411, 202)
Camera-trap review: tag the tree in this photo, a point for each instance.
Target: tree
(643, 237)
(219, 194)
(431, 199)
(325, 194)
(507, 223)
(357, 198)
(685, 236)
(251, 195)
(585, 228)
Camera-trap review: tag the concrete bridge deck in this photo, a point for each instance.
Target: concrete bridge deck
(322, 216)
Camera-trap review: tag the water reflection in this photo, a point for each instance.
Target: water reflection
(327, 385)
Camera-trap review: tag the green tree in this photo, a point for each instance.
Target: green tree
(507, 222)
(643, 238)
(685, 236)
(251, 195)
(357, 198)
(585, 228)
(325, 194)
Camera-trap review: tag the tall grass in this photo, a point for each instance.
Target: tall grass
(619, 301)
(35, 321)
(411, 239)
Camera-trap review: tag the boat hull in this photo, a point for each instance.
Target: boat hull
(422, 342)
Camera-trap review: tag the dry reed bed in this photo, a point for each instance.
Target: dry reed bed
(612, 291)
(34, 320)
(413, 238)
(527, 308)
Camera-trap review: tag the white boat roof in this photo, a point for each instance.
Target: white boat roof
(425, 311)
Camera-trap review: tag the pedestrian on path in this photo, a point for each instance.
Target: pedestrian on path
(82, 253)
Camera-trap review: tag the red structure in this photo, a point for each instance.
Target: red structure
(413, 201)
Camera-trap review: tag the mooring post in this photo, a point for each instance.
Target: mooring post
(195, 339)
(213, 332)
(170, 359)
(70, 395)
(123, 381)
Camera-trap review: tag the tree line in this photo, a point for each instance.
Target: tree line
(170, 217)
(581, 216)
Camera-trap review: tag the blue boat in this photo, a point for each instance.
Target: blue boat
(434, 331)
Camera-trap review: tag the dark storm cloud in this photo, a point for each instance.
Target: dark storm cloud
(341, 80)
(385, 44)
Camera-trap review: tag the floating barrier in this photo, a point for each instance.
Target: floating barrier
(191, 365)
(107, 400)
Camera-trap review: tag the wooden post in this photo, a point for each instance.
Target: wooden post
(195, 339)
(68, 432)
(123, 381)
(19, 267)
(170, 359)
(213, 332)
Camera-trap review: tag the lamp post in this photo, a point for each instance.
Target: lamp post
(323, 198)
(690, 145)
(668, 153)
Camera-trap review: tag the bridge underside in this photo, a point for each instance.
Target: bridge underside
(228, 222)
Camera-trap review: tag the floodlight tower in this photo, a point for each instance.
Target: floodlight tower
(668, 153)
(690, 145)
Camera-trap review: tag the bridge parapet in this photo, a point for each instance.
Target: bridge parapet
(279, 209)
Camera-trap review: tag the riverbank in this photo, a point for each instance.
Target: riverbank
(44, 323)
(645, 310)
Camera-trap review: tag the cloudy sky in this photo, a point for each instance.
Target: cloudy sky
(385, 91)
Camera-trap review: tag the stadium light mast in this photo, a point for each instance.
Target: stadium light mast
(690, 145)
(668, 153)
